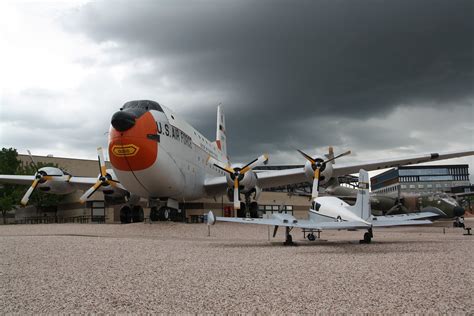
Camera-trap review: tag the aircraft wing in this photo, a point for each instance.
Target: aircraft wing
(80, 183)
(401, 223)
(14, 179)
(275, 178)
(295, 223)
(265, 179)
(343, 169)
(419, 218)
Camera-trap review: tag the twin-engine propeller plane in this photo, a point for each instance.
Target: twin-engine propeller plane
(158, 156)
(332, 213)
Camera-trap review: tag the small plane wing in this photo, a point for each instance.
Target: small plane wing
(290, 221)
(419, 218)
(401, 223)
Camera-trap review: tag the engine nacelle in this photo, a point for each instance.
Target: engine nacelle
(326, 171)
(247, 181)
(59, 182)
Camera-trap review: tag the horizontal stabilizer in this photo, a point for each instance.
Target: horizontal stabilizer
(400, 223)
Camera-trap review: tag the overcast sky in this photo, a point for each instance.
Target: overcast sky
(382, 78)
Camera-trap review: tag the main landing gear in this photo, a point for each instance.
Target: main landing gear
(288, 237)
(131, 214)
(250, 209)
(163, 213)
(367, 237)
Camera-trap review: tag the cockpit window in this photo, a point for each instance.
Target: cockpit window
(316, 206)
(139, 107)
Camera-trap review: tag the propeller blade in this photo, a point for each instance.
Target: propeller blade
(228, 169)
(308, 157)
(26, 197)
(262, 159)
(315, 192)
(32, 160)
(219, 165)
(236, 194)
(89, 192)
(338, 156)
(100, 156)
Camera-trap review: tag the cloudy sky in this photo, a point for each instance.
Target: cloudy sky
(383, 78)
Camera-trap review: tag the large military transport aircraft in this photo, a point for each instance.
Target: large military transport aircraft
(401, 202)
(157, 155)
(332, 213)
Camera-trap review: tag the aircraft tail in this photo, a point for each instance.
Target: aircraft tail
(362, 205)
(221, 140)
(330, 154)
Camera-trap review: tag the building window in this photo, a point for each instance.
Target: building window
(403, 186)
(429, 185)
(412, 186)
(420, 186)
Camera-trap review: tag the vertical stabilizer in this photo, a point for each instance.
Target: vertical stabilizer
(330, 154)
(362, 205)
(221, 138)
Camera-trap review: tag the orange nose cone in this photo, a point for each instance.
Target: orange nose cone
(134, 149)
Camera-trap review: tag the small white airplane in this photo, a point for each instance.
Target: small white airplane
(332, 213)
(158, 156)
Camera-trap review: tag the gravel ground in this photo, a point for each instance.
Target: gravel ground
(176, 268)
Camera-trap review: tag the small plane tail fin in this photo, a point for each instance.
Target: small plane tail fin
(221, 140)
(362, 205)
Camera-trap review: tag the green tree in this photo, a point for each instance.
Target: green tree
(9, 193)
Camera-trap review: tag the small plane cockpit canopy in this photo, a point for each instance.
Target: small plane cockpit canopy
(139, 107)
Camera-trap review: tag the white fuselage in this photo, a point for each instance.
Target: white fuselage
(330, 208)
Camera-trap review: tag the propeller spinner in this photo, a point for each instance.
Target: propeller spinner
(104, 178)
(317, 164)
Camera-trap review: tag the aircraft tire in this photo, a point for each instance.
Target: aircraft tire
(288, 241)
(154, 214)
(163, 213)
(241, 213)
(137, 214)
(253, 209)
(367, 238)
(311, 237)
(125, 215)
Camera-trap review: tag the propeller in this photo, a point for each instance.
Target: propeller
(104, 178)
(317, 165)
(40, 177)
(237, 174)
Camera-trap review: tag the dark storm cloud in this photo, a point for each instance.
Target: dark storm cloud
(284, 62)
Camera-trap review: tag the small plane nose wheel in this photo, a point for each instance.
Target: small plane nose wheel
(311, 237)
